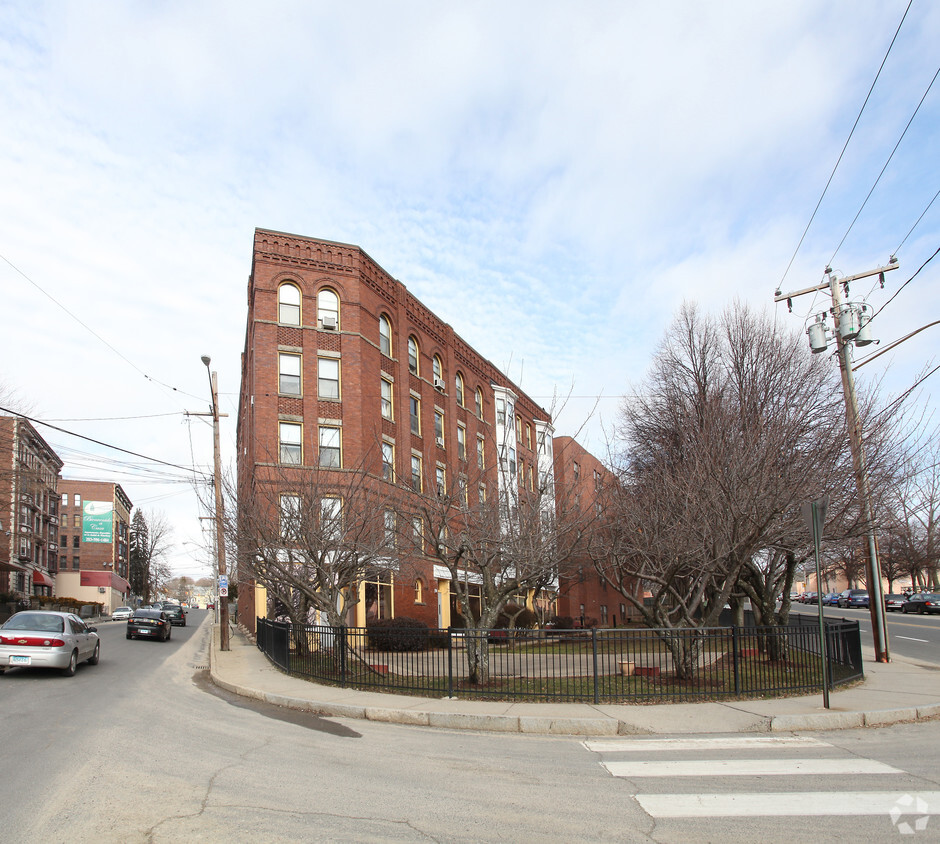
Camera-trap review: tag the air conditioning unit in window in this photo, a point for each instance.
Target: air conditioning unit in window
(440, 442)
(438, 383)
(328, 322)
(102, 590)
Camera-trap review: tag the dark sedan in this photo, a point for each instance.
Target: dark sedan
(149, 624)
(894, 602)
(923, 602)
(176, 614)
(854, 598)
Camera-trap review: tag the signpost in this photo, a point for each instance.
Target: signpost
(814, 514)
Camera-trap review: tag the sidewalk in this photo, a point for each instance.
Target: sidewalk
(902, 690)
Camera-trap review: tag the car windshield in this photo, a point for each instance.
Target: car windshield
(36, 621)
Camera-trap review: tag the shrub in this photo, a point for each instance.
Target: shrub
(398, 634)
(562, 622)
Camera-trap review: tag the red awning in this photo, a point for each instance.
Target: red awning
(42, 579)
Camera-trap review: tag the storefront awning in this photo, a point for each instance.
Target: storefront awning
(42, 579)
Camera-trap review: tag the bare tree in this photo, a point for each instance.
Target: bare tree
(150, 542)
(497, 545)
(735, 427)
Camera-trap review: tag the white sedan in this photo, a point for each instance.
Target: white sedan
(43, 639)
(122, 614)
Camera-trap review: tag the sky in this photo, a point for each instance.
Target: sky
(553, 179)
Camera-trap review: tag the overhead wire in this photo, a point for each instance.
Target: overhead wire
(885, 167)
(921, 217)
(896, 292)
(847, 141)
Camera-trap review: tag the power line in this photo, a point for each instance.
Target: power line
(97, 442)
(847, 140)
(921, 217)
(896, 292)
(865, 202)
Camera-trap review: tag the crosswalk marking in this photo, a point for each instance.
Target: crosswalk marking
(745, 767)
(789, 804)
(685, 744)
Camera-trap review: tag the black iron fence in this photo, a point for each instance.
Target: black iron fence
(603, 666)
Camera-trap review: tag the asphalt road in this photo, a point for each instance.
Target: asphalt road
(914, 636)
(142, 748)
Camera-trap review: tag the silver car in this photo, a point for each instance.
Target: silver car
(122, 614)
(42, 639)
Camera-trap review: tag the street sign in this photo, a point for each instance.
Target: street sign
(223, 581)
(223, 591)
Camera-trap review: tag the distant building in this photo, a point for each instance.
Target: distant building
(29, 510)
(583, 594)
(94, 531)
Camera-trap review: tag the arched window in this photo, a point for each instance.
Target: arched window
(385, 336)
(413, 355)
(458, 384)
(419, 591)
(438, 367)
(288, 304)
(479, 403)
(328, 309)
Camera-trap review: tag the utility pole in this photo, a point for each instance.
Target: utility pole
(219, 512)
(849, 323)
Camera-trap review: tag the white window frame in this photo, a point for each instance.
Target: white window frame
(325, 378)
(287, 361)
(292, 444)
(288, 313)
(331, 445)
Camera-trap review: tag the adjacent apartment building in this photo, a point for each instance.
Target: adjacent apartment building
(345, 370)
(29, 510)
(93, 541)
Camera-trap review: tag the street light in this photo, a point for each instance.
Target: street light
(219, 532)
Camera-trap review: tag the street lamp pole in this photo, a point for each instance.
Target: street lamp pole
(219, 527)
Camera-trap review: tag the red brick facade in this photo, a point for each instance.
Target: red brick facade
(365, 294)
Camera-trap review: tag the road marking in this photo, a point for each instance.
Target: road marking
(910, 639)
(746, 767)
(719, 743)
(788, 804)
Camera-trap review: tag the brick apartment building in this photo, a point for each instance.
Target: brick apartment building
(29, 512)
(344, 369)
(583, 595)
(93, 539)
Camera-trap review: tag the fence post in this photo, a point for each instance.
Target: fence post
(342, 656)
(594, 650)
(450, 662)
(290, 635)
(734, 659)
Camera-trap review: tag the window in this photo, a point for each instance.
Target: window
(604, 614)
(416, 472)
(63, 539)
(439, 428)
(328, 378)
(330, 451)
(388, 461)
(419, 591)
(413, 355)
(288, 367)
(481, 463)
(528, 435)
(576, 469)
(481, 493)
(512, 462)
(438, 368)
(479, 401)
(390, 528)
(458, 389)
(597, 479)
(75, 541)
(288, 304)
(328, 309)
(290, 435)
(76, 521)
(462, 491)
(385, 336)
(417, 533)
(76, 564)
(331, 518)
(387, 404)
(77, 499)
(416, 415)
(461, 442)
(440, 477)
(290, 516)
(500, 412)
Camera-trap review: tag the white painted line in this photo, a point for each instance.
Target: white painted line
(746, 767)
(790, 804)
(911, 639)
(717, 743)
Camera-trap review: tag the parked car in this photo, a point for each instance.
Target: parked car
(894, 602)
(810, 597)
(176, 615)
(854, 598)
(922, 602)
(45, 639)
(122, 614)
(150, 624)
(831, 600)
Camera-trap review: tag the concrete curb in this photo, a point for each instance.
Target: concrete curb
(423, 713)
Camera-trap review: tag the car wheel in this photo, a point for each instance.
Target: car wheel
(96, 655)
(921, 609)
(904, 610)
(169, 633)
(69, 671)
